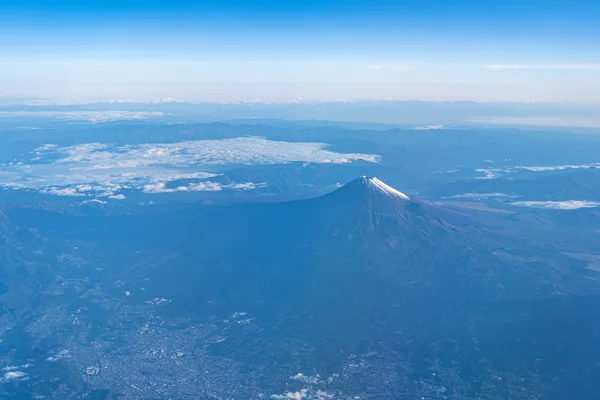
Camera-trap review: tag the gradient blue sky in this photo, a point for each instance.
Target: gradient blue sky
(536, 50)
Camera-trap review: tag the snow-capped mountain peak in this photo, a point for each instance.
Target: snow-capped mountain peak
(374, 183)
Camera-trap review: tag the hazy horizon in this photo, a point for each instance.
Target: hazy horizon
(280, 51)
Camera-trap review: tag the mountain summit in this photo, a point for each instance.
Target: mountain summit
(367, 196)
(369, 190)
(368, 210)
(375, 186)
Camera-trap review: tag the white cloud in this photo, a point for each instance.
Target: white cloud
(243, 150)
(209, 186)
(160, 187)
(558, 205)
(59, 356)
(321, 395)
(481, 195)
(491, 173)
(545, 168)
(304, 378)
(302, 394)
(14, 375)
(580, 67)
(428, 127)
(245, 186)
(46, 147)
(117, 197)
(62, 192)
(97, 201)
(105, 170)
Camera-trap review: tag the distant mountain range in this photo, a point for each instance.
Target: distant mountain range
(374, 111)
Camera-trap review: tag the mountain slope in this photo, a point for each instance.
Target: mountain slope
(371, 212)
(369, 227)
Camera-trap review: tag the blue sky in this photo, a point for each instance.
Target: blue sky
(234, 50)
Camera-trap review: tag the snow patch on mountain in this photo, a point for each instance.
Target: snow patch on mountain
(378, 185)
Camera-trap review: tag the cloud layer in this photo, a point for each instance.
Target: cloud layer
(558, 205)
(481, 196)
(428, 127)
(106, 170)
(491, 173)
